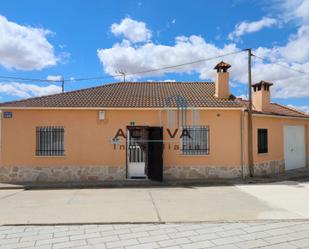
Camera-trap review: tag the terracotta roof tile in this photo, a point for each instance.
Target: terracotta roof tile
(277, 109)
(135, 95)
(146, 95)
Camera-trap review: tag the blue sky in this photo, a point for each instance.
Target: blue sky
(77, 39)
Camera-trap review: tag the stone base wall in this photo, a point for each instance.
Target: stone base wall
(269, 168)
(61, 174)
(105, 173)
(222, 172)
(201, 172)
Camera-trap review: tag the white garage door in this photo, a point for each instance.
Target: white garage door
(294, 147)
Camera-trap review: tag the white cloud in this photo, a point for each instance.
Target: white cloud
(251, 27)
(287, 84)
(22, 90)
(288, 10)
(54, 77)
(297, 49)
(301, 108)
(303, 10)
(132, 30)
(168, 80)
(293, 9)
(242, 96)
(150, 56)
(25, 48)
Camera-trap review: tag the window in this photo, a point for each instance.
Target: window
(262, 141)
(50, 141)
(195, 140)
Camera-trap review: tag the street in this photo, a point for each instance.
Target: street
(235, 235)
(268, 215)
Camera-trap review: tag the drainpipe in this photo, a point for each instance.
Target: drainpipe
(243, 172)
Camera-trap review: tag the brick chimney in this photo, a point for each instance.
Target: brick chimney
(222, 80)
(261, 96)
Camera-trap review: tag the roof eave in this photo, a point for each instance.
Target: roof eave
(119, 108)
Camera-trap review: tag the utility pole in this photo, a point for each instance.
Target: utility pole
(250, 143)
(62, 85)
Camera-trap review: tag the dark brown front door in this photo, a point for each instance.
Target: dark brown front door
(155, 153)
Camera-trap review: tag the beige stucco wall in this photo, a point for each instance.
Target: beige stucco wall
(88, 143)
(88, 140)
(275, 128)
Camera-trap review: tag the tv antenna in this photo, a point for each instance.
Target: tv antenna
(122, 73)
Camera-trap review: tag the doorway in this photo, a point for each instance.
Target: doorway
(294, 147)
(136, 152)
(145, 152)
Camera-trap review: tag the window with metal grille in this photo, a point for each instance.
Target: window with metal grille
(50, 141)
(262, 141)
(195, 140)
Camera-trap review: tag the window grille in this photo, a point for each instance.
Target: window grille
(50, 141)
(195, 140)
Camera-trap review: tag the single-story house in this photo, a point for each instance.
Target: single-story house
(155, 130)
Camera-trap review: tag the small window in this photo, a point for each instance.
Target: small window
(262, 141)
(50, 141)
(195, 140)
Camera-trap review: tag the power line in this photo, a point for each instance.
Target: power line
(28, 79)
(147, 71)
(188, 63)
(121, 74)
(281, 65)
(163, 68)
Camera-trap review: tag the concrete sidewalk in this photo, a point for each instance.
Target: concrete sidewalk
(284, 200)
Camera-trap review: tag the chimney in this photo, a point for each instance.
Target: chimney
(222, 80)
(261, 96)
